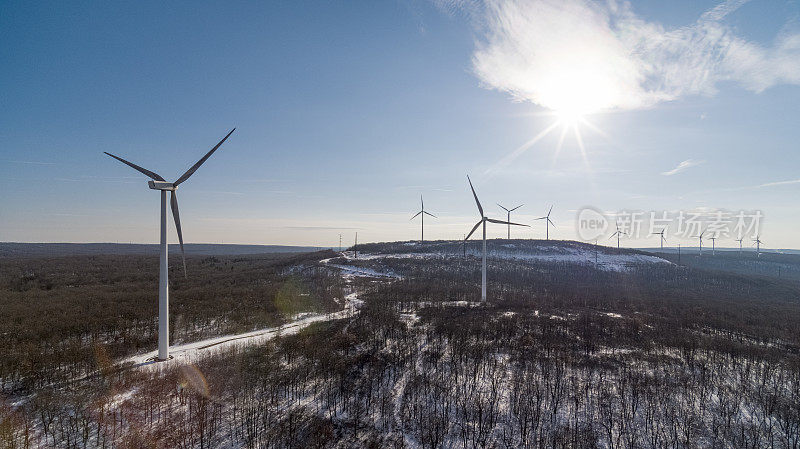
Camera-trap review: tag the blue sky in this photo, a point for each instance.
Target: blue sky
(347, 111)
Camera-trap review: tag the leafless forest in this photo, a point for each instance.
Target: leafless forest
(567, 354)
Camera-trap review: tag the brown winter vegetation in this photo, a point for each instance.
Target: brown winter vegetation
(565, 355)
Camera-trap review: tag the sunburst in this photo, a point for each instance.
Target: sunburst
(568, 121)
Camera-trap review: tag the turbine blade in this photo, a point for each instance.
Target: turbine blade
(473, 230)
(512, 210)
(550, 221)
(612, 235)
(551, 210)
(501, 207)
(173, 200)
(194, 167)
(428, 213)
(148, 173)
(480, 208)
(505, 222)
(415, 215)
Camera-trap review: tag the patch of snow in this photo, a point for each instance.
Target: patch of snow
(409, 318)
(186, 353)
(120, 398)
(584, 256)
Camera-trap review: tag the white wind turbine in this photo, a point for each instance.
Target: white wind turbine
(422, 213)
(758, 243)
(159, 183)
(547, 222)
(713, 245)
(740, 245)
(483, 221)
(618, 233)
(508, 215)
(663, 239)
(701, 241)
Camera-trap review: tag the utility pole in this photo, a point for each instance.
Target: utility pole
(679, 253)
(464, 246)
(595, 252)
(355, 246)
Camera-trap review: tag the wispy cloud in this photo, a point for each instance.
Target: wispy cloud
(30, 162)
(567, 54)
(682, 166)
(779, 183)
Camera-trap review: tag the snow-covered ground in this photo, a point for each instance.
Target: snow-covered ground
(187, 353)
(606, 260)
(362, 272)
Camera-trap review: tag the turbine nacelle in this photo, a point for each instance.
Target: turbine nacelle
(162, 185)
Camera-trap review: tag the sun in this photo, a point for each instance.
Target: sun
(570, 100)
(569, 117)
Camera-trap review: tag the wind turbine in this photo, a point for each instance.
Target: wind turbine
(508, 215)
(701, 241)
(713, 245)
(740, 245)
(159, 183)
(758, 243)
(663, 239)
(618, 233)
(423, 213)
(548, 222)
(480, 222)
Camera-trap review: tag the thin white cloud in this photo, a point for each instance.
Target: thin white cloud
(682, 166)
(587, 55)
(778, 183)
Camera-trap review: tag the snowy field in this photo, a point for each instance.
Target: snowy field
(609, 259)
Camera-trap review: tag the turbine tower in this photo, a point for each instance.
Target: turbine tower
(758, 243)
(701, 241)
(422, 213)
(548, 222)
(713, 245)
(618, 233)
(159, 183)
(508, 215)
(740, 245)
(480, 222)
(662, 239)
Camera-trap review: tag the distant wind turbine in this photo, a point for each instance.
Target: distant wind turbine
(508, 216)
(618, 233)
(159, 183)
(713, 245)
(548, 222)
(758, 243)
(662, 239)
(701, 241)
(740, 245)
(422, 213)
(483, 221)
